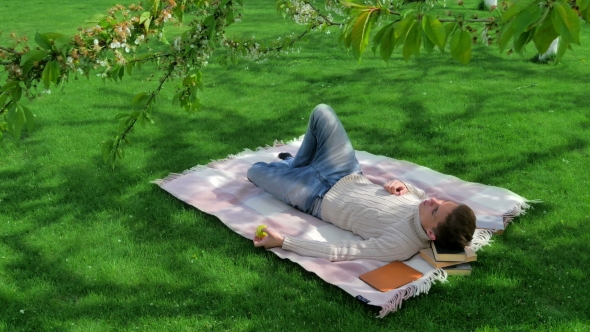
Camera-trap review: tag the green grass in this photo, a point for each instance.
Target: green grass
(87, 248)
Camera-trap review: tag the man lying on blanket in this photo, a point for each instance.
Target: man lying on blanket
(325, 180)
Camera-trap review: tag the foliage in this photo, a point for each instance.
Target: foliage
(425, 24)
(125, 38)
(86, 248)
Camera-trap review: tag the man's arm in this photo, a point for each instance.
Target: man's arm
(381, 249)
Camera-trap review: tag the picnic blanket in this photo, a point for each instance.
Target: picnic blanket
(221, 188)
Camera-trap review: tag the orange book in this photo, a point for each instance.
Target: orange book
(390, 276)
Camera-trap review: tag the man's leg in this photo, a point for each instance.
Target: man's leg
(298, 187)
(326, 147)
(325, 156)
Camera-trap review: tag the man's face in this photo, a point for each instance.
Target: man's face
(433, 211)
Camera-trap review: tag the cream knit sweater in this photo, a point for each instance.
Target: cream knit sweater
(389, 224)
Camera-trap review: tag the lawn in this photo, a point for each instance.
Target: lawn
(84, 247)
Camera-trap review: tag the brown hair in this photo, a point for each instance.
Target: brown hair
(457, 230)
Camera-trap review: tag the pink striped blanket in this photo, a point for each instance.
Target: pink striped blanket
(222, 189)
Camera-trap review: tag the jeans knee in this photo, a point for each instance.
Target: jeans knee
(323, 111)
(323, 108)
(254, 170)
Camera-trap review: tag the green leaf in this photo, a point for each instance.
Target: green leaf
(129, 68)
(149, 118)
(522, 40)
(15, 118)
(155, 7)
(142, 120)
(9, 86)
(179, 13)
(16, 93)
(30, 118)
(144, 16)
(544, 36)
(527, 17)
(379, 36)
(62, 43)
(351, 4)
(230, 17)
(506, 33)
(412, 42)
(566, 23)
(387, 43)
(586, 14)
(139, 98)
(582, 4)
(428, 44)
(50, 73)
(346, 36)
(360, 34)
(561, 48)
(401, 29)
(3, 98)
(449, 29)
(163, 38)
(28, 60)
(55, 71)
(516, 8)
(146, 24)
(461, 46)
(42, 41)
(211, 31)
(121, 73)
(53, 35)
(107, 147)
(434, 30)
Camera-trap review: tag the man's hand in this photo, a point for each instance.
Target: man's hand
(273, 239)
(396, 187)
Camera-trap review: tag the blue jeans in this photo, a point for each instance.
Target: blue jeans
(325, 156)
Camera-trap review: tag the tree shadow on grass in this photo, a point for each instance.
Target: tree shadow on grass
(71, 296)
(184, 141)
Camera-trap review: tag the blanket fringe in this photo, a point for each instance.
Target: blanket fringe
(412, 290)
(519, 210)
(481, 238)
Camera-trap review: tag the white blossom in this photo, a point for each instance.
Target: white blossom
(177, 43)
(139, 39)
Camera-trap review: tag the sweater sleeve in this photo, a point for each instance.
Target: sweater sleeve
(416, 191)
(381, 249)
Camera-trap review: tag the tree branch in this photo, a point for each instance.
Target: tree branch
(152, 57)
(5, 107)
(152, 96)
(319, 13)
(471, 20)
(10, 50)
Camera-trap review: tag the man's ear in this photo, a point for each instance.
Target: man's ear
(430, 234)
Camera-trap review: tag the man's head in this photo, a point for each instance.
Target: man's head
(448, 223)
